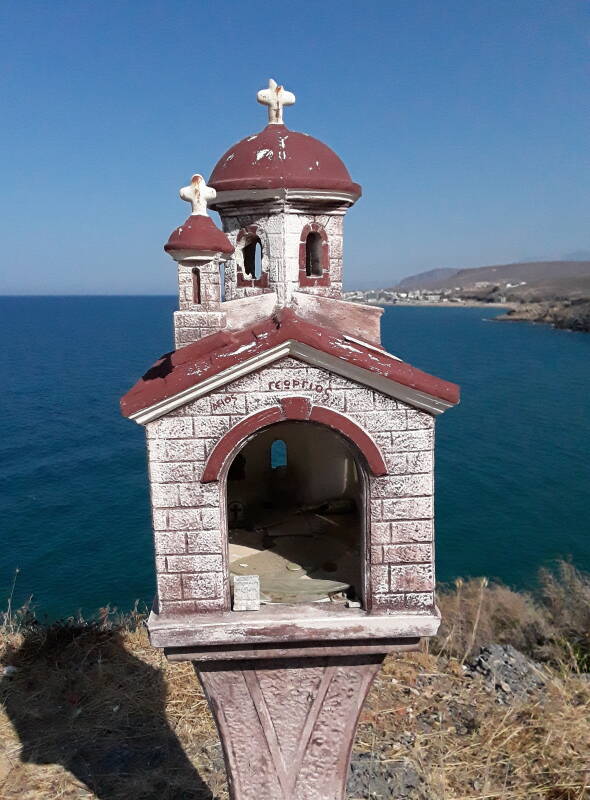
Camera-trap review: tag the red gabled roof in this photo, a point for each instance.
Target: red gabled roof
(182, 369)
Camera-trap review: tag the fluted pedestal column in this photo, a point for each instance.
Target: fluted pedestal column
(287, 725)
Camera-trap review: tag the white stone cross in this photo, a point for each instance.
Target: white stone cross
(197, 194)
(275, 97)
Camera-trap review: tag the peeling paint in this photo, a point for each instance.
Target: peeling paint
(239, 350)
(197, 370)
(264, 153)
(347, 347)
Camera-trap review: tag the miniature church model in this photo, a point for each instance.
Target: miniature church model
(290, 455)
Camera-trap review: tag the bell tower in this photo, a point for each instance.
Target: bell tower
(282, 197)
(199, 248)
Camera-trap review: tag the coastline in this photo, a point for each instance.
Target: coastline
(573, 315)
(442, 304)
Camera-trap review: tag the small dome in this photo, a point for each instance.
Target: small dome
(199, 234)
(278, 158)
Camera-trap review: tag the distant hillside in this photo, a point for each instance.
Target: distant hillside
(526, 281)
(426, 280)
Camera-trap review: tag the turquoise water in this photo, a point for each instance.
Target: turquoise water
(513, 472)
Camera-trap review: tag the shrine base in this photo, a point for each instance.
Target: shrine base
(287, 726)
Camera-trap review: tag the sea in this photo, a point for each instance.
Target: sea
(512, 460)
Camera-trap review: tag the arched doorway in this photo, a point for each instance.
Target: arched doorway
(296, 514)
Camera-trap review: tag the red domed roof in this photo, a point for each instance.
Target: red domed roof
(200, 234)
(278, 158)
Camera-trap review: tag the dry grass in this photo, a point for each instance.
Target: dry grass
(95, 712)
(552, 625)
(469, 746)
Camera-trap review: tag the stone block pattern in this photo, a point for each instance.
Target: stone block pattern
(197, 319)
(189, 516)
(280, 234)
(192, 325)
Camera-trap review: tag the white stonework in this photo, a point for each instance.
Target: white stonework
(190, 517)
(279, 229)
(279, 223)
(199, 302)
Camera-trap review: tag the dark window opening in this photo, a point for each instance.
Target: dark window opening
(253, 259)
(196, 286)
(313, 254)
(278, 454)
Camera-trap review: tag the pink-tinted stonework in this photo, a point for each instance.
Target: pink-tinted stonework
(189, 514)
(269, 359)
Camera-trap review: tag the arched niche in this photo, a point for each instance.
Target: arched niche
(251, 258)
(314, 256)
(295, 495)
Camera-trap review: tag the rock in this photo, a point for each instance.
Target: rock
(508, 671)
(374, 779)
(463, 717)
(570, 314)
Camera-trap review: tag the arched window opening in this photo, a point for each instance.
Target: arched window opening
(253, 259)
(196, 286)
(278, 454)
(313, 254)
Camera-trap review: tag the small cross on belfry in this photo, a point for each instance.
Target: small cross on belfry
(275, 97)
(197, 195)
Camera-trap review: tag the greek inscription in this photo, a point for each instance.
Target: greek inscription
(221, 402)
(302, 385)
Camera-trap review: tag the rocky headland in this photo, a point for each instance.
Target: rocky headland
(573, 315)
(554, 293)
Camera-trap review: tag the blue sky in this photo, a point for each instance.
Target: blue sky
(465, 121)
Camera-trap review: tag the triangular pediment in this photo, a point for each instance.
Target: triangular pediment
(197, 370)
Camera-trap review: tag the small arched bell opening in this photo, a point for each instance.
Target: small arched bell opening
(252, 255)
(196, 273)
(296, 515)
(222, 282)
(313, 254)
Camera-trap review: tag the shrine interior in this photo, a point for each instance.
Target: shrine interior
(295, 510)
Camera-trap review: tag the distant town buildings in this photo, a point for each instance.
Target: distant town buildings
(394, 296)
(481, 291)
